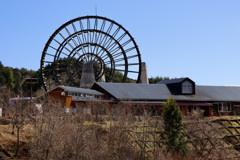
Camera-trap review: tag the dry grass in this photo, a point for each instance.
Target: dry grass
(6, 133)
(9, 141)
(104, 137)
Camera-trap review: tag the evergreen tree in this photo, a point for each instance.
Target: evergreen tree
(17, 80)
(2, 78)
(9, 78)
(24, 72)
(174, 135)
(14, 78)
(156, 79)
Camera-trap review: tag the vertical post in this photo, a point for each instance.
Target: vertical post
(186, 110)
(31, 91)
(30, 108)
(209, 114)
(180, 107)
(31, 80)
(145, 111)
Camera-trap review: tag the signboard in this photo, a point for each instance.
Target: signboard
(31, 80)
(11, 102)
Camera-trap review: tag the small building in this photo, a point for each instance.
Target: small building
(73, 98)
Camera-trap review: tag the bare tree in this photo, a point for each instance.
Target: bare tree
(16, 110)
(206, 139)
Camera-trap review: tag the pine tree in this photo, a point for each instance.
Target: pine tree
(9, 78)
(154, 80)
(174, 135)
(2, 78)
(17, 80)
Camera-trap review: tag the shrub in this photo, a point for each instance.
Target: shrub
(173, 134)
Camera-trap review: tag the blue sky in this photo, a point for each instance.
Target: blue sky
(199, 39)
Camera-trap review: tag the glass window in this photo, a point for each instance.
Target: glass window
(89, 95)
(224, 107)
(187, 87)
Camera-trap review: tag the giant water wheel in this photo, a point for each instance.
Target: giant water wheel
(103, 42)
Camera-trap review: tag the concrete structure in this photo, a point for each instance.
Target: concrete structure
(88, 76)
(144, 73)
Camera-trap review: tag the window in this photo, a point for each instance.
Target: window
(89, 96)
(224, 107)
(96, 96)
(187, 87)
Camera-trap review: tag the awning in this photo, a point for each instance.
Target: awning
(158, 103)
(193, 104)
(141, 103)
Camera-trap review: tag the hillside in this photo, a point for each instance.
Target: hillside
(14, 79)
(216, 138)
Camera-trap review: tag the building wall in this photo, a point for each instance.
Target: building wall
(106, 95)
(55, 96)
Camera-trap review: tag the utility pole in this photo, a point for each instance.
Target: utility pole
(31, 81)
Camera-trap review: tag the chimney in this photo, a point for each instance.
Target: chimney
(144, 74)
(88, 76)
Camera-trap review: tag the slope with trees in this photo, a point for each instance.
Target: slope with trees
(14, 79)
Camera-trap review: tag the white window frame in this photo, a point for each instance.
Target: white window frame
(89, 95)
(224, 107)
(187, 87)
